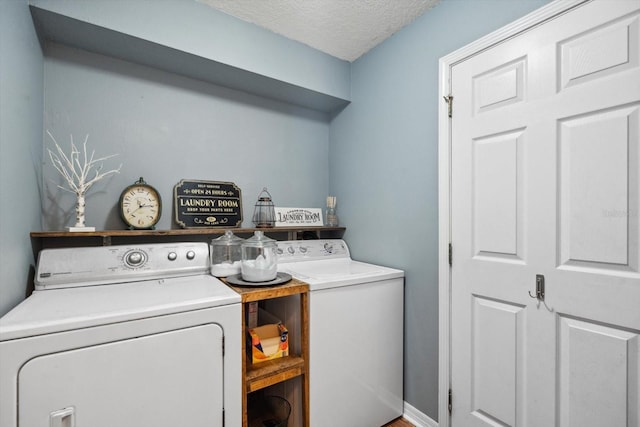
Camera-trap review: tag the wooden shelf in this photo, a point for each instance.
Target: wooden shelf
(264, 374)
(179, 232)
(258, 293)
(272, 372)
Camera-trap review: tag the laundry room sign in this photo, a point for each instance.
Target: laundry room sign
(286, 217)
(207, 204)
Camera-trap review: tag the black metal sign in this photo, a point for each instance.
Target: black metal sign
(207, 204)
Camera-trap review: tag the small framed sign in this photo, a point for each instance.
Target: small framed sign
(286, 217)
(207, 204)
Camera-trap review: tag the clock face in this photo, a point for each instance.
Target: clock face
(140, 206)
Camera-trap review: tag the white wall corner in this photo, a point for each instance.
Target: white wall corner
(417, 418)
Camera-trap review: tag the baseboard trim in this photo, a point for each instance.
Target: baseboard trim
(417, 418)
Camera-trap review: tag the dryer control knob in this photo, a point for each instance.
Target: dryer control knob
(191, 255)
(172, 256)
(135, 258)
(291, 250)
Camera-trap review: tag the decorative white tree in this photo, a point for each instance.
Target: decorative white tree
(81, 171)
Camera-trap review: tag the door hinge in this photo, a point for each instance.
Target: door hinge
(450, 402)
(225, 418)
(449, 100)
(450, 255)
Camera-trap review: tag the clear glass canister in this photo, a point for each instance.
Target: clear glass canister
(226, 255)
(259, 258)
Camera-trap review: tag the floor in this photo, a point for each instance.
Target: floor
(400, 422)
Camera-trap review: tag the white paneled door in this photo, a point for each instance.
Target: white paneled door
(545, 193)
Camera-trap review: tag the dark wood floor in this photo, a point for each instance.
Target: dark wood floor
(400, 422)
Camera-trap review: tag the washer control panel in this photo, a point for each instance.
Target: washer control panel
(309, 250)
(76, 267)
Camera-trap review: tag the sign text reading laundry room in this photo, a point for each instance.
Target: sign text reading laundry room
(207, 204)
(298, 216)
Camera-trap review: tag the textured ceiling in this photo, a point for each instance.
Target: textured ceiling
(345, 29)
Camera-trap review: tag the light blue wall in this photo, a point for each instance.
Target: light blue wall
(193, 27)
(20, 147)
(383, 161)
(166, 127)
(190, 38)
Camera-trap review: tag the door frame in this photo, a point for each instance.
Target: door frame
(524, 24)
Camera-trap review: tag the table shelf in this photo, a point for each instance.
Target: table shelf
(264, 374)
(273, 372)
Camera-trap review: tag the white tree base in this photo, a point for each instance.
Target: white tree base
(80, 229)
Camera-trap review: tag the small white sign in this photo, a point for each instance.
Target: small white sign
(286, 217)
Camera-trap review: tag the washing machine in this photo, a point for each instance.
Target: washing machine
(355, 333)
(128, 336)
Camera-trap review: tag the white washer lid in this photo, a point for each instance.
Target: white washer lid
(60, 310)
(333, 273)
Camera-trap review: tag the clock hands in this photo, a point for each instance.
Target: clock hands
(140, 206)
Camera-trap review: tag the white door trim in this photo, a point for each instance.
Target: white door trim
(523, 24)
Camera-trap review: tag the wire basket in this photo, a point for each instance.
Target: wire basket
(271, 411)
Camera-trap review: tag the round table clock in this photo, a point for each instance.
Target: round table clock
(140, 206)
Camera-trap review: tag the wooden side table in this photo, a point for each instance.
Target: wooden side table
(258, 376)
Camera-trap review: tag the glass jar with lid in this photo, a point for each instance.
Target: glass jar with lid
(226, 255)
(259, 258)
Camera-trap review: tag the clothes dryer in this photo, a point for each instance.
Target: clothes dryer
(123, 336)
